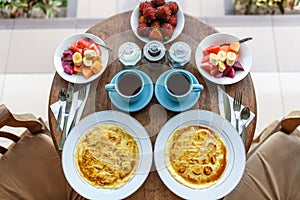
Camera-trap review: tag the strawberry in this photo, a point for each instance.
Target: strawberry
(142, 20)
(173, 6)
(143, 30)
(156, 3)
(173, 20)
(144, 5)
(167, 31)
(163, 12)
(155, 34)
(149, 14)
(155, 24)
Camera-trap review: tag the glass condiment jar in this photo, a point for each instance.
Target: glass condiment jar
(129, 54)
(179, 54)
(154, 52)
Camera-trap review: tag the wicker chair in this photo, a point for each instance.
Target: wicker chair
(273, 166)
(30, 168)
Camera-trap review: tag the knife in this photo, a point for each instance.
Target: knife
(224, 104)
(69, 99)
(227, 109)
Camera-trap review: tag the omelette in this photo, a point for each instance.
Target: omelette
(107, 156)
(196, 156)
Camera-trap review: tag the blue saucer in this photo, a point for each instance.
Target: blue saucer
(146, 97)
(161, 95)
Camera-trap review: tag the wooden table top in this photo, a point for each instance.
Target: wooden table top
(115, 31)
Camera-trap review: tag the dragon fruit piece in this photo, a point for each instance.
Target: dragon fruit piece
(67, 58)
(69, 69)
(219, 75)
(238, 66)
(66, 62)
(67, 52)
(231, 73)
(227, 70)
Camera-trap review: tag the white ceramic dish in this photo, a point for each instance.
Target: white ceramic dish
(63, 45)
(245, 57)
(133, 127)
(134, 22)
(236, 154)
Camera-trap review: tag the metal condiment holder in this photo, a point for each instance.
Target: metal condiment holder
(129, 54)
(179, 55)
(154, 52)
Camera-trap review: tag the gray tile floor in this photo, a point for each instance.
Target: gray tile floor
(27, 47)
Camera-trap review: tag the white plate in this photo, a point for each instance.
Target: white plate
(236, 154)
(245, 57)
(63, 45)
(133, 127)
(134, 22)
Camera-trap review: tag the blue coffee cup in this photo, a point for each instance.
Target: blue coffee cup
(127, 84)
(179, 84)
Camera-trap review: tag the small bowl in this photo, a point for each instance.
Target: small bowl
(64, 45)
(245, 57)
(134, 22)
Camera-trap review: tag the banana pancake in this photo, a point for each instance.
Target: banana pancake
(107, 156)
(196, 156)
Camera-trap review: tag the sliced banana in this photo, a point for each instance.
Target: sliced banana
(231, 57)
(221, 66)
(89, 53)
(222, 55)
(77, 58)
(87, 62)
(213, 59)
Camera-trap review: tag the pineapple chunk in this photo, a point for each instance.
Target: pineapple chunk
(96, 67)
(87, 72)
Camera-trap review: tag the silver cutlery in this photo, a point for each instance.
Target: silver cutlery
(61, 99)
(240, 41)
(104, 46)
(69, 97)
(237, 102)
(224, 104)
(245, 115)
(80, 99)
(227, 109)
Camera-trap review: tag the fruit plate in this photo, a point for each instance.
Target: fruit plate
(245, 57)
(134, 22)
(64, 45)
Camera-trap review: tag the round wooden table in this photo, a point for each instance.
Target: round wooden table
(115, 31)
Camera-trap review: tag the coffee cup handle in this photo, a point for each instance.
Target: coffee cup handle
(110, 87)
(197, 88)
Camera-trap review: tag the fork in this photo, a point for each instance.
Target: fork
(237, 102)
(80, 99)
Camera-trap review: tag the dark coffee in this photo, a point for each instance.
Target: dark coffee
(129, 84)
(178, 84)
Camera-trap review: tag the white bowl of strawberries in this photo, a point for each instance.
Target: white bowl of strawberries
(223, 58)
(160, 20)
(79, 59)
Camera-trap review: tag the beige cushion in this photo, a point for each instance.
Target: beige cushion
(273, 171)
(32, 170)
